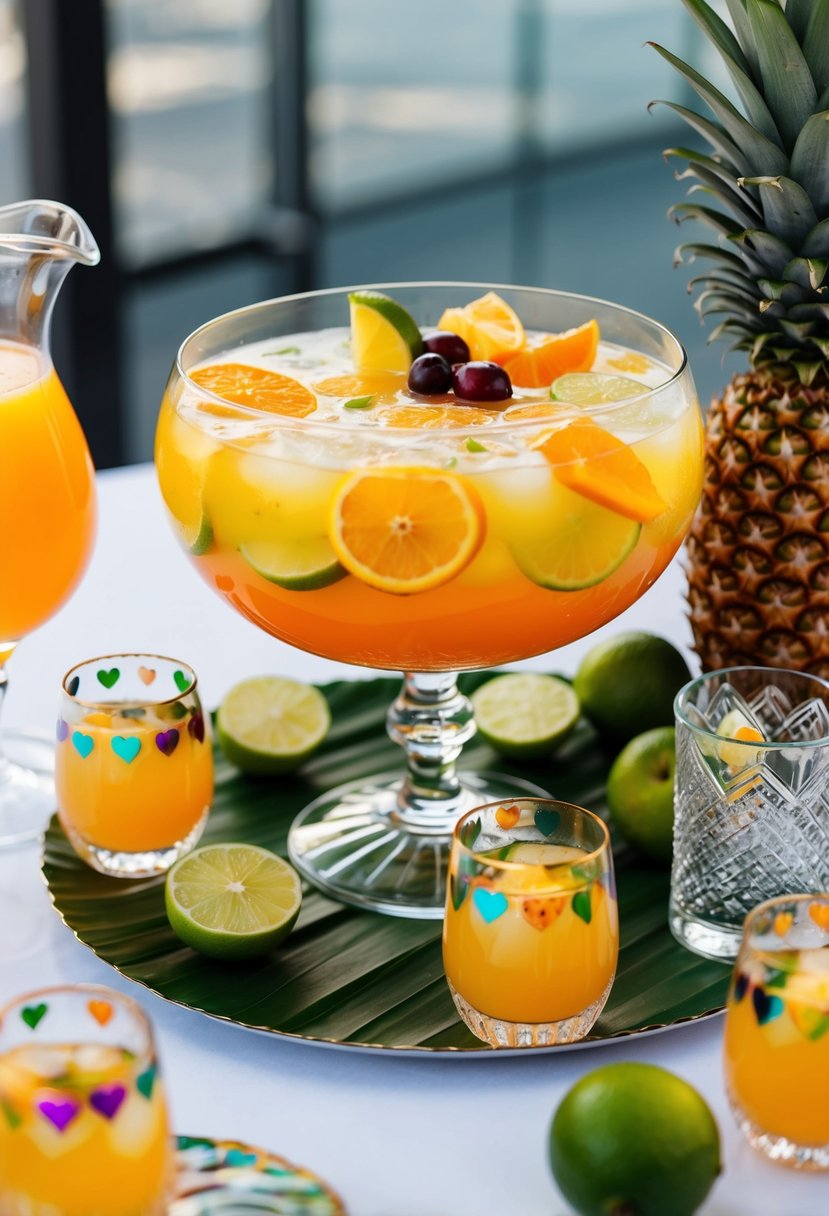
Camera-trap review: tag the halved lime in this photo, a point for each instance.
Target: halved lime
(594, 388)
(304, 565)
(271, 724)
(581, 544)
(232, 901)
(384, 337)
(524, 714)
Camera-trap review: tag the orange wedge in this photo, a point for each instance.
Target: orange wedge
(433, 417)
(488, 325)
(256, 388)
(549, 356)
(363, 384)
(405, 530)
(597, 465)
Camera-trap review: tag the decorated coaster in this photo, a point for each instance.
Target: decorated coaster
(231, 1177)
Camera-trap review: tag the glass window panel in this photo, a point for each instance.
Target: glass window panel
(14, 169)
(596, 74)
(403, 96)
(188, 88)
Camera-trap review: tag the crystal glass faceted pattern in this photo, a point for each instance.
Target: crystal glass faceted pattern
(751, 803)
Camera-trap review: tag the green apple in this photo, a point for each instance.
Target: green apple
(640, 792)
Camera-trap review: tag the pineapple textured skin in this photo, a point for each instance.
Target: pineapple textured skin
(758, 551)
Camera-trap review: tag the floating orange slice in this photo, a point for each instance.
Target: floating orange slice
(597, 465)
(433, 417)
(363, 384)
(490, 328)
(405, 530)
(256, 388)
(548, 356)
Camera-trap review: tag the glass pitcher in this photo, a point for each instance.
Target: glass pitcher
(47, 493)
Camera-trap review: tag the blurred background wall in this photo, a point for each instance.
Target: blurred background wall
(225, 151)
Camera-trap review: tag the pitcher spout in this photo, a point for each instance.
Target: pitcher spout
(41, 226)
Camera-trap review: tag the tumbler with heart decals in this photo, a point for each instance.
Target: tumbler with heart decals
(134, 765)
(83, 1120)
(531, 932)
(776, 1041)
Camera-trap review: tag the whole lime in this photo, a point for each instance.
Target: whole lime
(634, 1140)
(640, 791)
(627, 684)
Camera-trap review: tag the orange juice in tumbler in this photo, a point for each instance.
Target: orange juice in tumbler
(134, 776)
(531, 933)
(776, 1044)
(47, 500)
(83, 1121)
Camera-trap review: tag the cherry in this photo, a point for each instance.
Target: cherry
(430, 375)
(443, 342)
(480, 381)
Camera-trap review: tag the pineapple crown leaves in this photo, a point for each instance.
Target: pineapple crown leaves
(763, 186)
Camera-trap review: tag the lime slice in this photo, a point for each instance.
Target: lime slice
(199, 539)
(270, 724)
(232, 901)
(525, 714)
(383, 335)
(305, 565)
(582, 544)
(595, 388)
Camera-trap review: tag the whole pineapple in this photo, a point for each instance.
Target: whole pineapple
(758, 552)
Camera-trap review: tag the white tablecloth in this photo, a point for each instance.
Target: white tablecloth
(397, 1137)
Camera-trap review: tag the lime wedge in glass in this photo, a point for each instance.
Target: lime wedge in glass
(306, 565)
(595, 388)
(384, 337)
(523, 714)
(271, 724)
(232, 901)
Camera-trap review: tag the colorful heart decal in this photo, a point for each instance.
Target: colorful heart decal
(33, 1014)
(470, 832)
(547, 821)
(146, 675)
(109, 678)
(490, 904)
(12, 1118)
(126, 747)
(107, 1099)
(82, 743)
(195, 727)
(101, 1011)
(183, 682)
(740, 986)
(458, 889)
(783, 922)
(167, 741)
(766, 1008)
(73, 685)
(60, 1109)
(507, 816)
(62, 731)
(582, 906)
(819, 913)
(237, 1157)
(146, 1082)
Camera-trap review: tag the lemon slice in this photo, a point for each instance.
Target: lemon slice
(232, 901)
(306, 565)
(384, 338)
(739, 731)
(523, 714)
(271, 724)
(595, 388)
